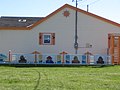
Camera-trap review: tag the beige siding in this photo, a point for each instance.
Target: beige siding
(90, 30)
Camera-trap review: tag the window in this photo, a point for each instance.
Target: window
(116, 41)
(47, 38)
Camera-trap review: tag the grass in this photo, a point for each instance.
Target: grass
(60, 78)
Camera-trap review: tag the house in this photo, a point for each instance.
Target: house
(56, 33)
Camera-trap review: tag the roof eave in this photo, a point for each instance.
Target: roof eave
(15, 28)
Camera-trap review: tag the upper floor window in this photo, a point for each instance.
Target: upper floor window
(47, 38)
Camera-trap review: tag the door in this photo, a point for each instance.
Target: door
(114, 47)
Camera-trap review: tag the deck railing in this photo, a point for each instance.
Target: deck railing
(15, 58)
(62, 59)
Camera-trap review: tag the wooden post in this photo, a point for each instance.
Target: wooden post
(9, 55)
(88, 54)
(35, 58)
(35, 52)
(63, 54)
(112, 49)
(118, 50)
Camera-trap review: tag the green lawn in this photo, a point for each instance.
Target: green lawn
(60, 78)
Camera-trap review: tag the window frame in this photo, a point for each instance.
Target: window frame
(41, 38)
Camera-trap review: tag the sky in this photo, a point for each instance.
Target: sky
(109, 9)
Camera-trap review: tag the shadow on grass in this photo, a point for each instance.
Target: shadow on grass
(55, 65)
(38, 81)
(102, 66)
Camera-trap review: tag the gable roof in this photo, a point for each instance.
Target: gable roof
(36, 21)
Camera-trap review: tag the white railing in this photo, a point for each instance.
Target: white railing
(87, 59)
(38, 58)
(15, 58)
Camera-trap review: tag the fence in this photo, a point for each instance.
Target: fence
(88, 59)
(61, 59)
(22, 58)
(37, 58)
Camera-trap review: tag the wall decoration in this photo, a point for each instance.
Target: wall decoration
(67, 57)
(58, 59)
(66, 13)
(49, 59)
(40, 58)
(22, 59)
(75, 60)
(84, 59)
(3, 57)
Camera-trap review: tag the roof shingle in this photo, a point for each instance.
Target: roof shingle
(18, 21)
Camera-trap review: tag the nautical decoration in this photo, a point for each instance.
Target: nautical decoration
(75, 60)
(66, 13)
(22, 59)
